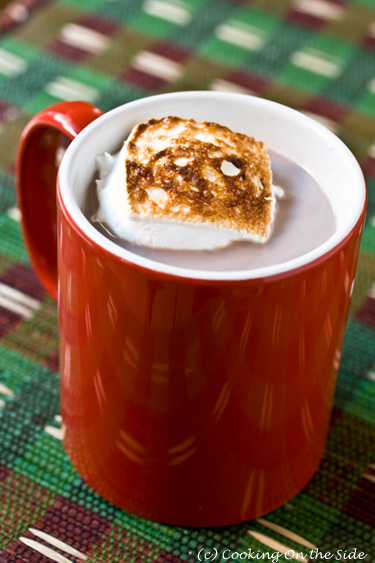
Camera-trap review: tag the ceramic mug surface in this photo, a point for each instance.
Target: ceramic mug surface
(196, 398)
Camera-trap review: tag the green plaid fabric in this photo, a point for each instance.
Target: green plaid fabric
(317, 56)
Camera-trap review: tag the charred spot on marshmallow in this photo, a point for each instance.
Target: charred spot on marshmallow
(199, 172)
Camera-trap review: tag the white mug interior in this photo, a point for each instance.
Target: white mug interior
(283, 130)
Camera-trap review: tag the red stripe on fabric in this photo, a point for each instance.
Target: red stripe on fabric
(247, 80)
(170, 51)
(328, 109)
(306, 20)
(143, 80)
(62, 49)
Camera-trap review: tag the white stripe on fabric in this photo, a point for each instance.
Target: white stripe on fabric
(240, 34)
(371, 29)
(371, 85)
(18, 296)
(173, 11)
(68, 89)
(17, 302)
(17, 12)
(15, 308)
(84, 38)
(319, 8)
(58, 543)
(156, 65)
(317, 62)
(277, 546)
(369, 477)
(221, 85)
(11, 64)
(46, 551)
(4, 390)
(14, 213)
(57, 433)
(285, 532)
(371, 292)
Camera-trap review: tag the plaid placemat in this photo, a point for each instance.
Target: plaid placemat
(317, 56)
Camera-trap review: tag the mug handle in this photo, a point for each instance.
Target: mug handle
(36, 169)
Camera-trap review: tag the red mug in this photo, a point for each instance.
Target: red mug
(190, 397)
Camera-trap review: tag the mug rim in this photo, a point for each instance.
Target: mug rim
(305, 261)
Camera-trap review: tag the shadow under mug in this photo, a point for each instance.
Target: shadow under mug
(189, 397)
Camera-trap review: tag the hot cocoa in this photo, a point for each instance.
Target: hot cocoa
(304, 220)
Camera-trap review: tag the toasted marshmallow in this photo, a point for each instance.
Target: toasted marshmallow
(181, 184)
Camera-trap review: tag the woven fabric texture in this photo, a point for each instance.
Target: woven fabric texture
(317, 56)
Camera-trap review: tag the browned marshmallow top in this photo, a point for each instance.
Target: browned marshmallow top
(199, 172)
